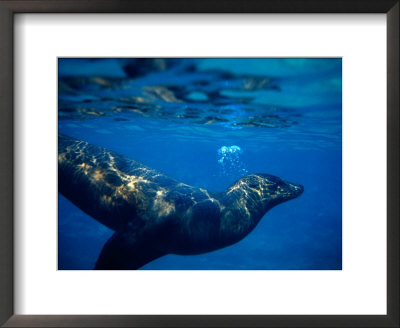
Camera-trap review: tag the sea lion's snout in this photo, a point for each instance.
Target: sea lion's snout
(285, 190)
(296, 189)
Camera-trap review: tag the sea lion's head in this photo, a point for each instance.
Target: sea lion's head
(271, 186)
(261, 192)
(247, 201)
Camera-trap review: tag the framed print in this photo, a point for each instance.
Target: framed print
(212, 98)
(199, 164)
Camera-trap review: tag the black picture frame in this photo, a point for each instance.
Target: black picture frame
(10, 7)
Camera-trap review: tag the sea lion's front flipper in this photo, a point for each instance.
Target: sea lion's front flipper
(123, 251)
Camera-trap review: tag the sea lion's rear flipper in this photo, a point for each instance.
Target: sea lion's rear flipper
(124, 252)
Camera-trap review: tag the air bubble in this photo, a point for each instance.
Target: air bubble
(230, 162)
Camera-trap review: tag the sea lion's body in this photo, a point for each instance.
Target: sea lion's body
(154, 215)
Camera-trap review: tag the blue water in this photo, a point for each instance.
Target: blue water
(285, 115)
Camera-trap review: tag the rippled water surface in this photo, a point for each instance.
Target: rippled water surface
(276, 116)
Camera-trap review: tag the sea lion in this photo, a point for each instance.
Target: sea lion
(154, 215)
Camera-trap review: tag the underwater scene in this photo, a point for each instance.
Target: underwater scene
(200, 163)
